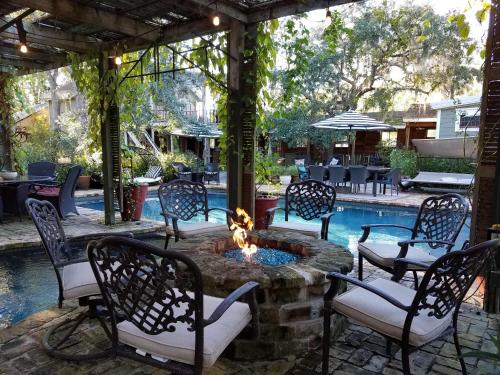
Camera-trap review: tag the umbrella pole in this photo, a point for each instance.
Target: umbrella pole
(353, 146)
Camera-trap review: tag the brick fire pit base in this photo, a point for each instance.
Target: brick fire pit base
(290, 297)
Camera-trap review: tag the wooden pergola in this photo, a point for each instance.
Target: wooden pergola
(88, 26)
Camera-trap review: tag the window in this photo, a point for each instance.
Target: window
(431, 133)
(467, 119)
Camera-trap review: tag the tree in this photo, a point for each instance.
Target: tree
(371, 56)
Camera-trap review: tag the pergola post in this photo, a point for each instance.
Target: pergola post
(110, 140)
(5, 119)
(242, 97)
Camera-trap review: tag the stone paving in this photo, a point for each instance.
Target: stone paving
(15, 234)
(358, 351)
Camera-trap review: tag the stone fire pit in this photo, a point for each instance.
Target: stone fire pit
(290, 296)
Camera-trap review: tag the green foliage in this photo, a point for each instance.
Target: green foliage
(61, 172)
(406, 160)
(384, 149)
(446, 165)
(264, 165)
(188, 158)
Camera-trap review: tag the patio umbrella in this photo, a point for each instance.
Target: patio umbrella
(352, 121)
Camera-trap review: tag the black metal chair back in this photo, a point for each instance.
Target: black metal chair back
(336, 174)
(42, 168)
(316, 172)
(185, 199)
(48, 225)
(441, 218)
(394, 176)
(309, 199)
(136, 282)
(447, 281)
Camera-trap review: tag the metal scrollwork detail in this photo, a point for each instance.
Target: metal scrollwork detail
(310, 199)
(440, 217)
(183, 198)
(141, 287)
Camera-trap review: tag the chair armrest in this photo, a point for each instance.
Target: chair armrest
(270, 215)
(228, 212)
(336, 276)
(367, 228)
(327, 216)
(325, 224)
(35, 187)
(401, 266)
(229, 300)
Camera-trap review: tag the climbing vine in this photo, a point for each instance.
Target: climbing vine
(7, 131)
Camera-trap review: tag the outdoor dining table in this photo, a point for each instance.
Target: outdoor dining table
(374, 170)
(13, 195)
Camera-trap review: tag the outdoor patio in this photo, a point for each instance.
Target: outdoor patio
(358, 351)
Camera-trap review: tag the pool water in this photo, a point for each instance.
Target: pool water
(28, 283)
(345, 225)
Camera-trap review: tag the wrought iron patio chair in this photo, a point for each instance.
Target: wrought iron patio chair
(437, 225)
(73, 272)
(310, 200)
(392, 178)
(154, 318)
(211, 173)
(407, 317)
(182, 171)
(62, 196)
(182, 200)
(317, 172)
(42, 168)
(337, 174)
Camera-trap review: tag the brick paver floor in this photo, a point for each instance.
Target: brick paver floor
(357, 351)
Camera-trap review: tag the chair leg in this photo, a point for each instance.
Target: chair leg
(457, 344)
(360, 267)
(415, 279)
(167, 238)
(405, 358)
(388, 345)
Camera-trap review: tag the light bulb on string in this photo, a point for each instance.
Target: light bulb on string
(118, 60)
(23, 48)
(216, 20)
(328, 19)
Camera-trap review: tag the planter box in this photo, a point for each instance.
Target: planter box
(83, 182)
(262, 204)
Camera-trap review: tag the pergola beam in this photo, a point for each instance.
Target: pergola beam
(14, 20)
(289, 8)
(221, 8)
(77, 13)
(52, 37)
(33, 54)
(24, 64)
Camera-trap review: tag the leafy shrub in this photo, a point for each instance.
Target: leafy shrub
(445, 165)
(188, 158)
(384, 149)
(406, 160)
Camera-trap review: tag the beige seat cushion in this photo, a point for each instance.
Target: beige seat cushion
(79, 281)
(313, 230)
(385, 318)
(186, 230)
(385, 253)
(179, 344)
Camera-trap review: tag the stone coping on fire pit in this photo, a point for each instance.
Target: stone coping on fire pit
(318, 257)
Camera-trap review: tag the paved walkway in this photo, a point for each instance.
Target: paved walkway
(358, 351)
(16, 234)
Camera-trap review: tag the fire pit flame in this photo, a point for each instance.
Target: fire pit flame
(240, 227)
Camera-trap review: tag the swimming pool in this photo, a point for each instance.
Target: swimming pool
(345, 225)
(28, 283)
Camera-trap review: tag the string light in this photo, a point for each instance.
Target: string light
(22, 37)
(328, 19)
(118, 60)
(216, 20)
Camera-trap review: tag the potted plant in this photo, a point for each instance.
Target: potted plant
(268, 199)
(83, 182)
(134, 196)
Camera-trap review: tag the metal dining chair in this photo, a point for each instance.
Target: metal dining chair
(336, 175)
(359, 176)
(393, 178)
(316, 172)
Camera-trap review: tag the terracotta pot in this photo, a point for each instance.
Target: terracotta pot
(139, 194)
(83, 182)
(262, 204)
